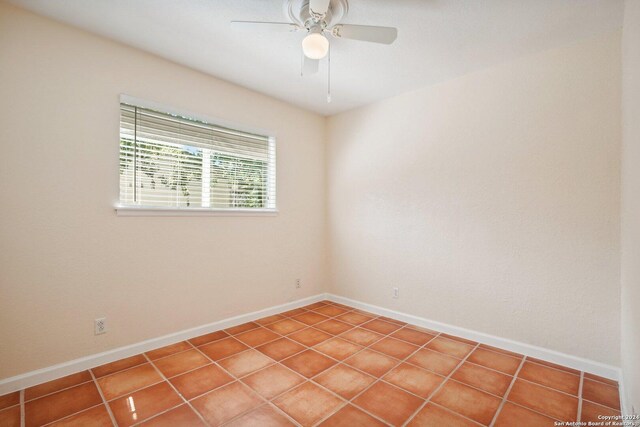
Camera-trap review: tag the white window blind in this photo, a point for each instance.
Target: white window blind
(169, 161)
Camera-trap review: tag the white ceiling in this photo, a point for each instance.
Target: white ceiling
(437, 40)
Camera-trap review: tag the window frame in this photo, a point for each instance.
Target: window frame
(141, 210)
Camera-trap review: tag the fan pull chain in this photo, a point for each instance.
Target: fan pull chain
(329, 75)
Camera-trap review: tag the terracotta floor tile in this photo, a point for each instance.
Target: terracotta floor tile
(434, 361)
(280, 349)
(421, 329)
(545, 400)
(310, 318)
(246, 362)
(61, 404)
(559, 380)
(499, 350)
(591, 411)
(389, 403)
(514, 415)
(338, 348)
(366, 313)
(344, 381)
(200, 381)
(315, 305)
(601, 379)
(412, 336)
(226, 403)
(264, 416)
(272, 381)
(57, 385)
(485, 379)
(353, 318)
(333, 326)
(308, 403)
(497, 361)
(380, 326)
(181, 363)
(257, 337)
(10, 417)
(452, 348)
(460, 339)
(9, 399)
(270, 319)
(350, 416)
(371, 362)
(415, 380)
(242, 328)
(436, 416)
(553, 365)
(119, 365)
(330, 310)
(361, 336)
(309, 363)
(223, 348)
(125, 382)
(394, 348)
(310, 336)
(182, 416)
(467, 401)
(286, 326)
(205, 339)
(93, 417)
(601, 393)
(294, 312)
(392, 320)
(168, 350)
(143, 404)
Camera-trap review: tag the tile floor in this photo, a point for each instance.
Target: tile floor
(324, 364)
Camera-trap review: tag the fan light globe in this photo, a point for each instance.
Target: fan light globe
(315, 46)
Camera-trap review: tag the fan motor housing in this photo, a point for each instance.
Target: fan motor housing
(299, 13)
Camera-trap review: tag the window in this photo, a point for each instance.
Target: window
(170, 162)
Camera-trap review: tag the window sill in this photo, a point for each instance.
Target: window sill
(158, 211)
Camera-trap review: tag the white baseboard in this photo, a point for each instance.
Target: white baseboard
(581, 364)
(39, 376)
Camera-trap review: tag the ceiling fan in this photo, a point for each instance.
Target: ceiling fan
(319, 18)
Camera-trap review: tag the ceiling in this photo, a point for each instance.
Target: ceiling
(437, 40)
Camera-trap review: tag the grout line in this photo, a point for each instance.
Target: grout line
(580, 396)
(437, 389)
(56, 391)
(22, 409)
(104, 400)
(176, 391)
(506, 393)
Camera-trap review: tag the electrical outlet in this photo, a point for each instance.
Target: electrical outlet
(298, 285)
(396, 293)
(100, 326)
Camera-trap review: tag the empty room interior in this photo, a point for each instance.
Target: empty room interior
(320, 213)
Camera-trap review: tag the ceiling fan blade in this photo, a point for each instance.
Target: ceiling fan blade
(309, 66)
(319, 6)
(367, 33)
(255, 26)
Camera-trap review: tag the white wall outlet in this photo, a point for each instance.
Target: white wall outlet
(298, 284)
(396, 293)
(100, 326)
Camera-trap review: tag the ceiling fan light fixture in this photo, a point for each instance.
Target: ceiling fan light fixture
(315, 45)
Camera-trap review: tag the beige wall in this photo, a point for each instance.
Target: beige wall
(491, 201)
(66, 258)
(630, 243)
